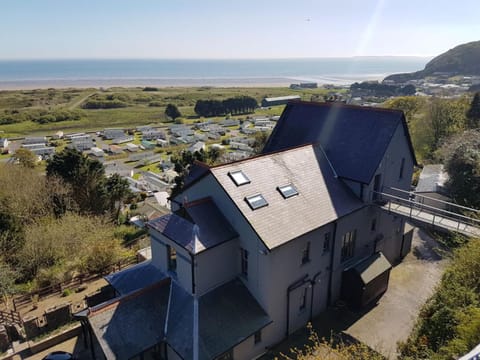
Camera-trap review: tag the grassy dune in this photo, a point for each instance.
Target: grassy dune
(143, 107)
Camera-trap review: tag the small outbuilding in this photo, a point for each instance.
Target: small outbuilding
(365, 281)
(281, 100)
(431, 186)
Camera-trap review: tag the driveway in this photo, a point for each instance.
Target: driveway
(412, 282)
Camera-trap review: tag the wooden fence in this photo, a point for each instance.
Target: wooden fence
(23, 300)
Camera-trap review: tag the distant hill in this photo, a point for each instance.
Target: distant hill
(461, 60)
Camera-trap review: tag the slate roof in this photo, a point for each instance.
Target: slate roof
(321, 198)
(207, 228)
(226, 316)
(354, 138)
(135, 277)
(133, 323)
(432, 179)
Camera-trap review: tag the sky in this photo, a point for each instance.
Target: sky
(233, 29)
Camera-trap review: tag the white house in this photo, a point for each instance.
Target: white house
(256, 248)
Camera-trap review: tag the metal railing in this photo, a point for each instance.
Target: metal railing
(439, 216)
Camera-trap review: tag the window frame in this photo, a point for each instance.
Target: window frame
(236, 180)
(306, 253)
(326, 241)
(171, 259)
(348, 245)
(251, 202)
(244, 262)
(288, 191)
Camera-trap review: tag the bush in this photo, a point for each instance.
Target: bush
(66, 292)
(449, 323)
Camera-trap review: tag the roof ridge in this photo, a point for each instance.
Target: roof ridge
(297, 147)
(343, 105)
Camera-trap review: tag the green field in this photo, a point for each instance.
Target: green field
(141, 107)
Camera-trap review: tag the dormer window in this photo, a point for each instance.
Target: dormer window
(287, 191)
(239, 178)
(256, 201)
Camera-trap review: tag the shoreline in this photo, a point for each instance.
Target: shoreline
(33, 84)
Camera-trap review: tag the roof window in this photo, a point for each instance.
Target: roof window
(287, 191)
(239, 178)
(256, 201)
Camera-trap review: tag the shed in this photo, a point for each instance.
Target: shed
(365, 281)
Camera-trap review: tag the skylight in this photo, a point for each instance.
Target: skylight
(288, 191)
(239, 178)
(256, 201)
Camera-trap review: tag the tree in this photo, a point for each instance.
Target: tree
(25, 157)
(7, 281)
(172, 111)
(11, 234)
(463, 168)
(118, 190)
(473, 114)
(261, 138)
(86, 178)
(410, 105)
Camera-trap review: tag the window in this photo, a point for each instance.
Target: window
(326, 242)
(303, 299)
(348, 245)
(306, 253)
(256, 201)
(172, 258)
(244, 262)
(287, 191)
(239, 178)
(402, 165)
(373, 226)
(257, 337)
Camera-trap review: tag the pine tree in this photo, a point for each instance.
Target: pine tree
(473, 114)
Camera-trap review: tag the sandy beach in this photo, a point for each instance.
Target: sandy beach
(161, 83)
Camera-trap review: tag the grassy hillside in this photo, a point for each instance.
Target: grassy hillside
(461, 60)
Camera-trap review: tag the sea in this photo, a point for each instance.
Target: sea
(30, 74)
